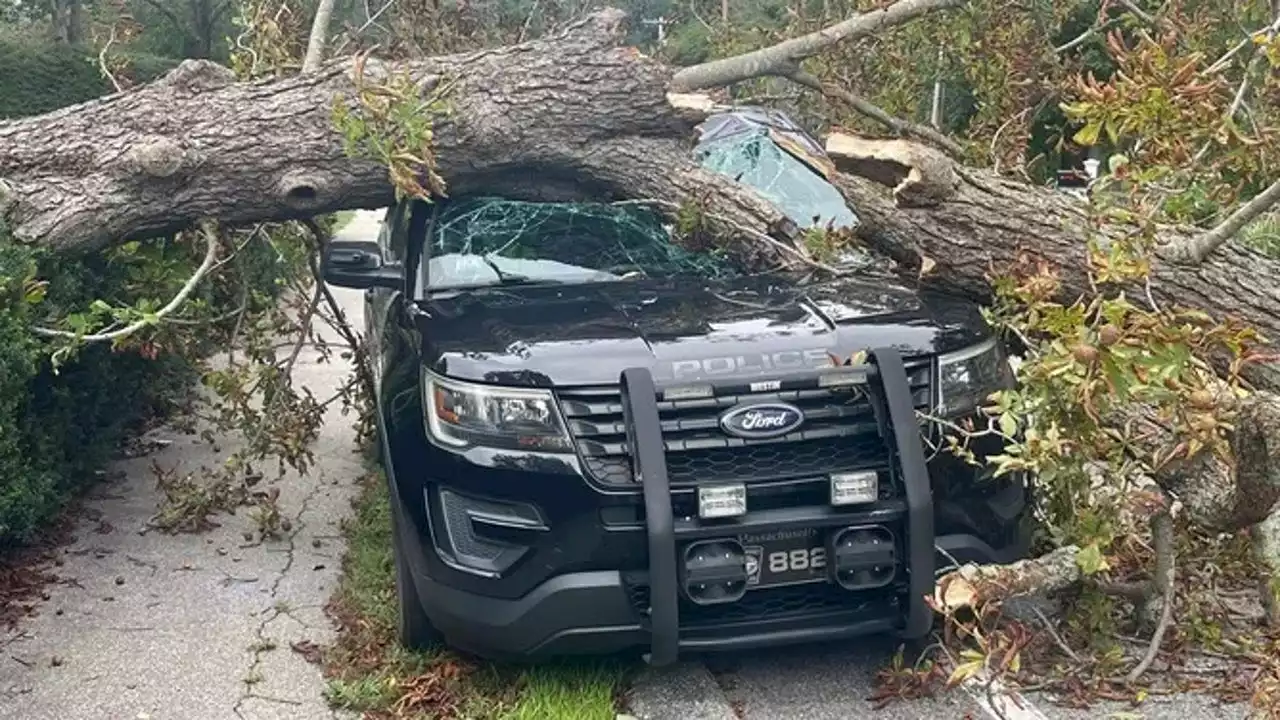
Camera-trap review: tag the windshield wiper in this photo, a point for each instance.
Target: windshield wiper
(506, 278)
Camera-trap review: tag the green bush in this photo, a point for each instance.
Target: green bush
(57, 427)
(38, 77)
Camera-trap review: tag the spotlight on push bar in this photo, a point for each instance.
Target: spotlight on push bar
(855, 488)
(721, 501)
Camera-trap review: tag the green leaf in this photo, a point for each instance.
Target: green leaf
(1113, 135)
(1008, 425)
(1091, 560)
(36, 292)
(1088, 135)
(964, 671)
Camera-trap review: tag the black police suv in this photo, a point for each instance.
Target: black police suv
(597, 440)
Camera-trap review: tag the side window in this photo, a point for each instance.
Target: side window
(384, 231)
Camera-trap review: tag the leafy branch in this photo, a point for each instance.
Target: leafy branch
(392, 122)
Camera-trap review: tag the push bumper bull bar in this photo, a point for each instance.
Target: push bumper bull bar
(885, 376)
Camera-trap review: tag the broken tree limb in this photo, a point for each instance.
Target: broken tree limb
(990, 222)
(779, 59)
(212, 238)
(1197, 248)
(972, 586)
(570, 116)
(919, 175)
(319, 36)
(865, 107)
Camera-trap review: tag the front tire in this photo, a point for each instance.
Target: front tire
(414, 628)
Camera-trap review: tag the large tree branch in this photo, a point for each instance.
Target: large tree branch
(1195, 249)
(776, 59)
(572, 116)
(865, 107)
(991, 223)
(319, 37)
(212, 239)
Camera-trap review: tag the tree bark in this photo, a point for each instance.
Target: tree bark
(572, 117)
(989, 222)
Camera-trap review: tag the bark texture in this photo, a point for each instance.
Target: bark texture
(972, 586)
(574, 116)
(989, 221)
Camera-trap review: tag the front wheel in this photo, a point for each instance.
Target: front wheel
(414, 628)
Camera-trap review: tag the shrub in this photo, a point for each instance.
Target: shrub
(57, 427)
(39, 77)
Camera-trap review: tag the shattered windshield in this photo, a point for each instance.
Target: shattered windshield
(494, 241)
(764, 150)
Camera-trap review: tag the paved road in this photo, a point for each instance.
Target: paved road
(171, 627)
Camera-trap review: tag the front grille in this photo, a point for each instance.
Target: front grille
(840, 432)
(770, 604)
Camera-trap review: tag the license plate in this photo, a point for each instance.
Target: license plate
(784, 557)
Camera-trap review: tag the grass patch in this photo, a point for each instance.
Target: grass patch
(369, 672)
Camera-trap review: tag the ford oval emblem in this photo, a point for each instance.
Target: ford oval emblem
(761, 420)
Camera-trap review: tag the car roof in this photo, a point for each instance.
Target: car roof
(785, 133)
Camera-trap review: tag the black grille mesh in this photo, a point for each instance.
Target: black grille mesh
(840, 433)
(771, 604)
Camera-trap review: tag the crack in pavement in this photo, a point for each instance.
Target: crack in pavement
(264, 644)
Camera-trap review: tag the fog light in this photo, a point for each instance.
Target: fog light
(717, 501)
(855, 488)
(714, 571)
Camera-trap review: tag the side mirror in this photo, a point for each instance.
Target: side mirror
(358, 264)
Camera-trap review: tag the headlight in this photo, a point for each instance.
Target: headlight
(462, 414)
(966, 377)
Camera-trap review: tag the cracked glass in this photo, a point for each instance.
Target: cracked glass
(772, 155)
(493, 241)
(486, 241)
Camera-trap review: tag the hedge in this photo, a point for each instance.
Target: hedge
(38, 77)
(57, 428)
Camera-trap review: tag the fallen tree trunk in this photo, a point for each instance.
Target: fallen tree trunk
(571, 117)
(986, 222)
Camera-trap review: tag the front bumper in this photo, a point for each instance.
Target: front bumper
(608, 581)
(602, 612)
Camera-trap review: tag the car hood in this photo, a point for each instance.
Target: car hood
(684, 330)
